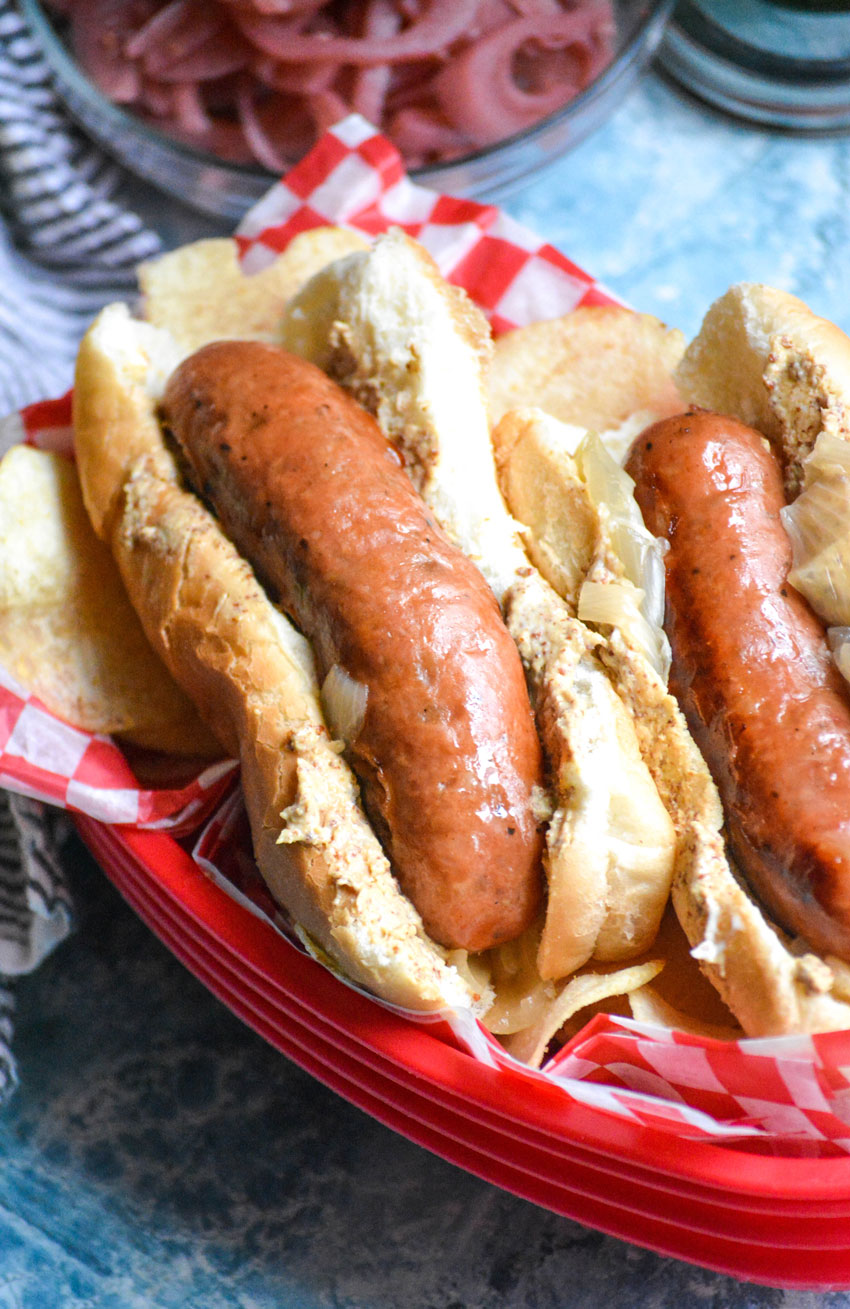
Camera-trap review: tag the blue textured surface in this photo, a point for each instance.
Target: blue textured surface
(158, 1154)
(671, 203)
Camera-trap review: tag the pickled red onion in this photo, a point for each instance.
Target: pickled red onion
(217, 56)
(180, 26)
(370, 85)
(423, 134)
(297, 79)
(261, 79)
(442, 23)
(189, 109)
(508, 107)
(262, 146)
(98, 30)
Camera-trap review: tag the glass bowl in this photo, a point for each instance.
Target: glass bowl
(783, 63)
(225, 190)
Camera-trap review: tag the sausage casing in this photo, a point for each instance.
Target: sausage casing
(310, 492)
(751, 667)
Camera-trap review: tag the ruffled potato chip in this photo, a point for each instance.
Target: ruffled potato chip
(581, 991)
(681, 996)
(595, 367)
(200, 294)
(648, 1006)
(68, 633)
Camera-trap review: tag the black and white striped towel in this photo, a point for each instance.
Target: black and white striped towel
(67, 247)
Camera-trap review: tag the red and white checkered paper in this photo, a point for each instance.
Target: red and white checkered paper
(790, 1093)
(45, 758)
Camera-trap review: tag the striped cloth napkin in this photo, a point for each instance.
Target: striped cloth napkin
(67, 247)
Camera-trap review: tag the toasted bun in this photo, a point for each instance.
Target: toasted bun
(121, 370)
(416, 352)
(250, 674)
(762, 356)
(772, 985)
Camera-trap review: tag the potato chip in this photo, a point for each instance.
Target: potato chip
(200, 294)
(68, 633)
(648, 1006)
(586, 988)
(840, 975)
(594, 368)
(683, 985)
(678, 995)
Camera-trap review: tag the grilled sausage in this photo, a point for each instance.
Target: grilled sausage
(752, 669)
(308, 489)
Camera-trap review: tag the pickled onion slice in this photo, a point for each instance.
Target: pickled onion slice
(423, 135)
(189, 41)
(263, 147)
(174, 31)
(190, 113)
(370, 85)
(221, 53)
(99, 30)
(508, 106)
(442, 23)
(297, 79)
(297, 9)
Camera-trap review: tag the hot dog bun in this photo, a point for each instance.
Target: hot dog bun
(399, 619)
(766, 358)
(414, 351)
(762, 356)
(762, 362)
(250, 673)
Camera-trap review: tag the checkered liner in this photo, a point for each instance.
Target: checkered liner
(794, 1090)
(47, 759)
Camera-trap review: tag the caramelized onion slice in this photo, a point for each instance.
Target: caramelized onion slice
(343, 704)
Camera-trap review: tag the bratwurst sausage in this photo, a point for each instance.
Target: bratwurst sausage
(314, 497)
(752, 669)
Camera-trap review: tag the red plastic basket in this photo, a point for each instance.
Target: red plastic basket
(779, 1220)
(756, 1209)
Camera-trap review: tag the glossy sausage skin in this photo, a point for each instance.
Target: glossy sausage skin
(305, 485)
(751, 668)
